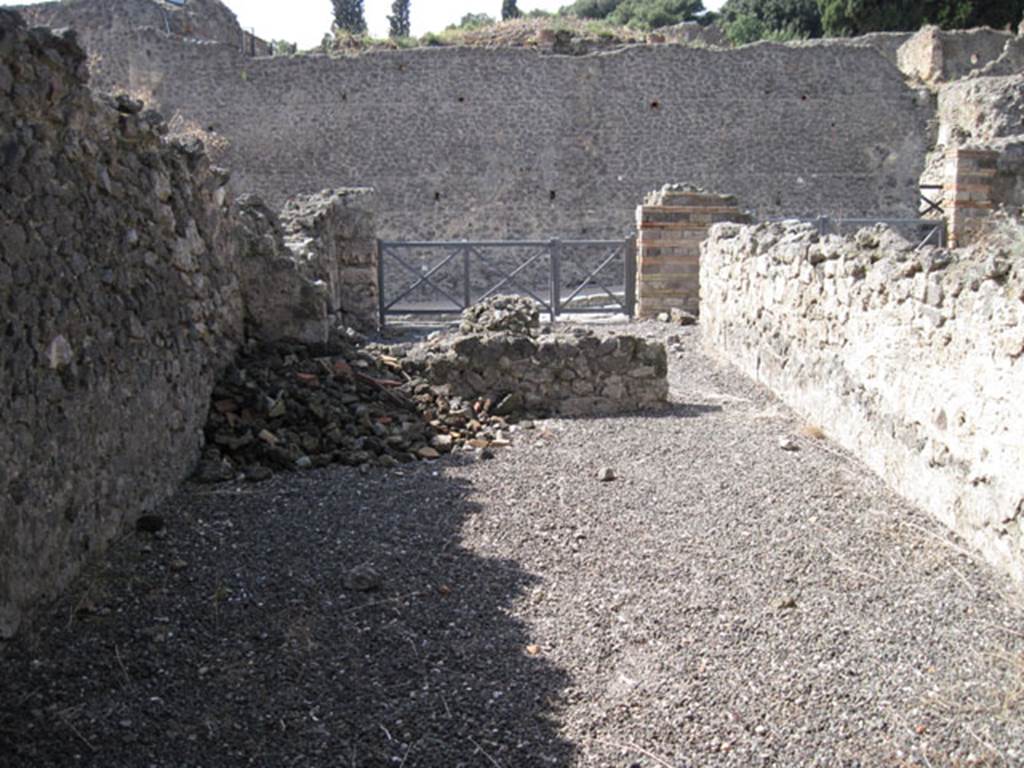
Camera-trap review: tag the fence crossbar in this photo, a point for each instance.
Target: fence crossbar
(590, 280)
(488, 267)
(509, 278)
(425, 279)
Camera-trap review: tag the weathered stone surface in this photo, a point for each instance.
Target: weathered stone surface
(819, 127)
(310, 270)
(913, 360)
(119, 306)
(572, 374)
(512, 314)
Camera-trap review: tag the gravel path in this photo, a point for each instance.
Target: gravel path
(723, 602)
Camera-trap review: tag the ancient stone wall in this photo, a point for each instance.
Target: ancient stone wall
(332, 234)
(934, 55)
(986, 111)
(465, 142)
(309, 270)
(519, 371)
(101, 22)
(914, 361)
(118, 305)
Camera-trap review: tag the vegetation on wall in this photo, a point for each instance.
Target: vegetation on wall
(742, 21)
(745, 21)
(644, 14)
(283, 48)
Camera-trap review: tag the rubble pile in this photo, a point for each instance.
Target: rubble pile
(288, 405)
(502, 314)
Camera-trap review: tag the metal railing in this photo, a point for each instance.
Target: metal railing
(932, 202)
(562, 276)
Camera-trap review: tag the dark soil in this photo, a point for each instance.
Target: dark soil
(722, 602)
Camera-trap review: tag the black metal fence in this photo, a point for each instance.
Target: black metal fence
(440, 277)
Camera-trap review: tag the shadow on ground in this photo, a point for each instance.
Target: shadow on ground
(319, 619)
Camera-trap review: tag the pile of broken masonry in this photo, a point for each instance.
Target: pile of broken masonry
(287, 405)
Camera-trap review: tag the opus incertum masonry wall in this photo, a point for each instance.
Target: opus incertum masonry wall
(472, 142)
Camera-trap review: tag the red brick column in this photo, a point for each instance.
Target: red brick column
(671, 224)
(970, 174)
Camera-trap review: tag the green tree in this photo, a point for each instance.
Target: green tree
(348, 15)
(645, 14)
(510, 10)
(399, 19)
(856, 17)
(283, 48)
(845, 18)
(745, 21)
(962, 14)
(591, 9)
(474, 21)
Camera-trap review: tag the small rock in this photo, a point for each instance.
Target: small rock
(484, 454)
(509, 404)
(258, 473)
(426, 452)
(785, 603)
(606, 474)
(149, 523)
(178, 565)
(788, 443)
(303, 462)
(210, 471)
(442, 442)
(682, 317)
(663, 317)
(363, 578)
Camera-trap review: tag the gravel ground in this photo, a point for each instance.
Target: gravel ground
(722, 602)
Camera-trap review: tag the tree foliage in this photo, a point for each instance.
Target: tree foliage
(510, 10)
(348, 15)
(474, 21)
(398, 21)
(745, 21)
(645, 14)
(283, 48)
(842, 18)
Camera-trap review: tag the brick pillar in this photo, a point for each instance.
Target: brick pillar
(967, 190)
(671, 225)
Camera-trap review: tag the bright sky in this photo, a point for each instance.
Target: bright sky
(305, 21)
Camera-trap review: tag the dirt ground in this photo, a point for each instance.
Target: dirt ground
(721, 602)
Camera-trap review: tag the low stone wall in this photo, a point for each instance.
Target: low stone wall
(578, 374)
(120, 303)
(912, 360)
